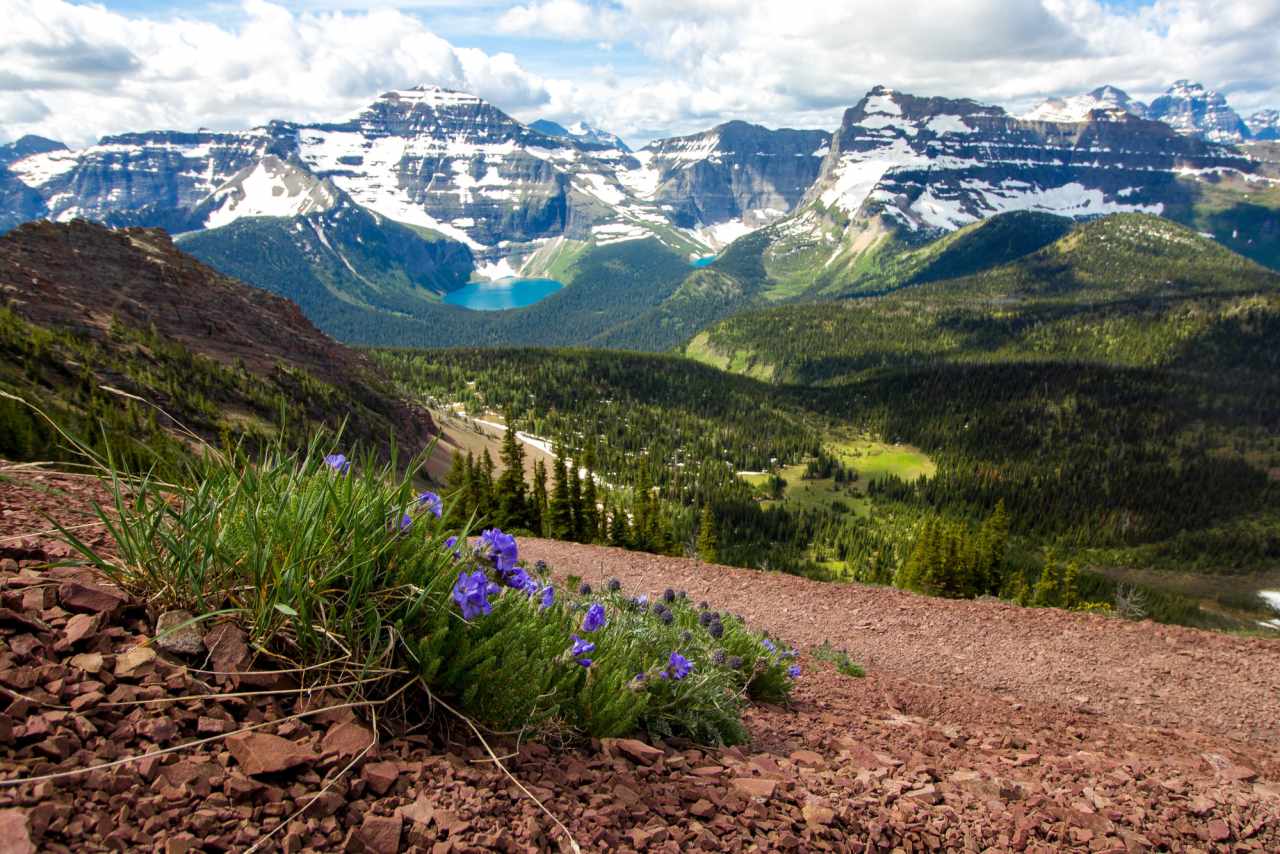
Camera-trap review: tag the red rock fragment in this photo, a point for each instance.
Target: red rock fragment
(637, 751)
(379, 834)
(347, 739)
(381, 776)
(755, 787)
(260, 753)
(86, 596)
(15, 834)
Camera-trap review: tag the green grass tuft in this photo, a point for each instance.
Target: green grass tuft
(317, 566)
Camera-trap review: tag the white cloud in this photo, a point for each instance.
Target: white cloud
(561, 19)
(98, 72)
(676, 65)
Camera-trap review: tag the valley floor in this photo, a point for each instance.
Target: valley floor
(979, 726)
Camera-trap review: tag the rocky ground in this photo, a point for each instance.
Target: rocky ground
(978, 727)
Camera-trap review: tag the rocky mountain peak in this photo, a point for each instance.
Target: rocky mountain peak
(26, 146)
(1264, 125)
(1107, 101)
(1192, 110)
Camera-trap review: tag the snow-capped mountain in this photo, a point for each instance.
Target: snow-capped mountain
(517, 196)
(1190, 108)
(426, 157)
(730, 180)
(1077, 108)
(581, 131)
(937, 163)
(27, 146)
(1264, 125)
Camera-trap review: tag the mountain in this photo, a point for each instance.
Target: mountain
(27, 146)
(1264, 125)
(336, 261)
(1078, 107)
(903, 171)
(1129, 289)
(727, 181)
(425, 157)
(89, 309)
(1190, 108)
(580, 131)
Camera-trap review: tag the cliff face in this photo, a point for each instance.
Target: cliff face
(737, 171)
(937, 163)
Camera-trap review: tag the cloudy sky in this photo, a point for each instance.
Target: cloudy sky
(642, 68)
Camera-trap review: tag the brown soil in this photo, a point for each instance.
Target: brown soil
(978, 727)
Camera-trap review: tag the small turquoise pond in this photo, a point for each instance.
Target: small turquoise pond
(702, 262)
(504, 293)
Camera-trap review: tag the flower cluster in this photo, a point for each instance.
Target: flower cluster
(431, 502)
(580, 650)
(678, 667)
(472, 594)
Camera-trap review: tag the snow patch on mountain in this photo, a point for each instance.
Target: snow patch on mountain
(1078, 107)
(268, 188)
(39, 169)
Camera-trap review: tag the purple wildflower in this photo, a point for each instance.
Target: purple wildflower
(735, 662)
(584, 589)
(769, 645)
(614, 585)
(405, 523)
(718, 657)
(515, 578)
(716, 630)
(678, 666)
(452, 545)
(794, 671)
(668, 595)
(500, 548)
(594, 619)
(472, 593)
(581, 647)
(430, 501)
(548, 597)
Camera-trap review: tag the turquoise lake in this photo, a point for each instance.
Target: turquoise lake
(702, 262)
(502, 294)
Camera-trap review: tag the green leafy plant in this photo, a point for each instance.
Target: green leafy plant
(840, 659)
(325, 559)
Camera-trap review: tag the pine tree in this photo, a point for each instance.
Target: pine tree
(640, 519)
(512, 503)
(1048, 590)
(589, 515)
(602, 520)
(560, 512)
(484, 487)
(455, 490)
(619, 530)
(1070, 597)
(993, 541)
(575, 502)
(538, 501)
(472, 488)
(707, 540)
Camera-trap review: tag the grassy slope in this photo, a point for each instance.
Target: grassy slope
(1131, 290)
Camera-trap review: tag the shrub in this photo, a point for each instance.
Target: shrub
(326, 559)
(840, 659)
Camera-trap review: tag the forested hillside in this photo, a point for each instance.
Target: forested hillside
(1106, 398)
